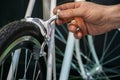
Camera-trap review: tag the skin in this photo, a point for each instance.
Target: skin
(90, 18)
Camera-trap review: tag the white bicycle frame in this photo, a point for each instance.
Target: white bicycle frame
(71, 44)
(51, 65)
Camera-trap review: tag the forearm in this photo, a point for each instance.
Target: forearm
(114, 16)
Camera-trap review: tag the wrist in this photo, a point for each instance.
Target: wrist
(114, 16)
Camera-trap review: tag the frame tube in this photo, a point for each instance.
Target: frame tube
(51, 47)
(79, 59)
(67, 57)
(30, 8)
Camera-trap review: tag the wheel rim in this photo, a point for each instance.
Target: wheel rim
(17, 47)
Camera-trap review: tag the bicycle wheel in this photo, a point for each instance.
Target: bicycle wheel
(20, 42)
(107, 50)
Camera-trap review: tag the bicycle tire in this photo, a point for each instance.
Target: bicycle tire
(21, 35)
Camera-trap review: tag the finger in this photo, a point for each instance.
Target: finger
(66, 6)
(61, 21)
(72, 26)
(70, 13)
(81, 25)
(78, 35)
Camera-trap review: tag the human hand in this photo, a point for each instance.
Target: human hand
(91, 18)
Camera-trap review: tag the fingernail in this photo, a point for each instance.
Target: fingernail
(58, 11)
(73, 21)
(77, 29)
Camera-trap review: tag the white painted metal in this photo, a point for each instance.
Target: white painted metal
(46, 9)
(79, 59)
(51, 47)
(14, 64)
(67, 57)
(30, 8)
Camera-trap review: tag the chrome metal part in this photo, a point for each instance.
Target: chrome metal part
(38, 22)
(43, 25)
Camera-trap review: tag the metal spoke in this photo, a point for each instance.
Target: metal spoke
(103, 54)
(113, 59)
(38, 74)
(108, 54)
(35, 69)
(27, 66)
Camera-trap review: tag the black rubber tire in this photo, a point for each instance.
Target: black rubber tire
(17, 29)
